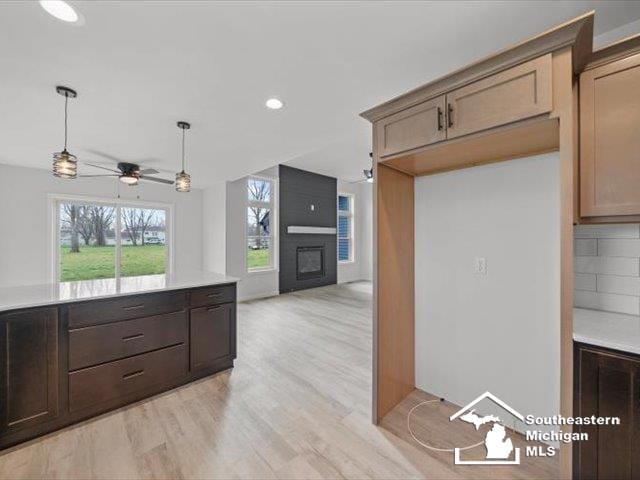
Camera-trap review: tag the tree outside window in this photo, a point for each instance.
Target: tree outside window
(90, 247)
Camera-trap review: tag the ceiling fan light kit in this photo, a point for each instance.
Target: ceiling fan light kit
(65, 164)
(183, 179)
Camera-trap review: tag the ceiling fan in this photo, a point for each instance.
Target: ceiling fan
(65, 164)
(129, 173)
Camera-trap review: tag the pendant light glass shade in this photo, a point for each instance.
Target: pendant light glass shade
(65, 164)
(183, 179)
(183, 182)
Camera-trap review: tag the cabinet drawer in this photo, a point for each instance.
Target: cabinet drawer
(105, 311)
(516, 94)
(213, 334)
(213, 295)
(414, 127)
(104, 343)
(94, 385)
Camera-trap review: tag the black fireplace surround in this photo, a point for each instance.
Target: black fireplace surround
(309, 200)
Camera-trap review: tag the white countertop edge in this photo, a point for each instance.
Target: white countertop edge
(33, 296)
(617, 331)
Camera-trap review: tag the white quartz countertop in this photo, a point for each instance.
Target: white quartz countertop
(606, 329)
(12, 298)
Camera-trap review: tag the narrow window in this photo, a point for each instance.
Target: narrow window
(259, 231)
(345, 228)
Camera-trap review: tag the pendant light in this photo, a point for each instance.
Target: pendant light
(183, 179)
(65, 164)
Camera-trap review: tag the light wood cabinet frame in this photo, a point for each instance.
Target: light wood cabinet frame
(521, 92)
(567, 48)
(414, 127)
(609, 140)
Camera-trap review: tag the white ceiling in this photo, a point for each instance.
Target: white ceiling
(140, 66)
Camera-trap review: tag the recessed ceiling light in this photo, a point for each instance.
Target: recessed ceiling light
(61, 10)
(274, 104)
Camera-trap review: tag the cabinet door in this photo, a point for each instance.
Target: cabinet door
(28, 368)
(610, 139)
(516, 94)
(213, 335)
(608, 387)
(414, 127)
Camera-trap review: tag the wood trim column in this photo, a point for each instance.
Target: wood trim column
(394, 327)
(565, 91)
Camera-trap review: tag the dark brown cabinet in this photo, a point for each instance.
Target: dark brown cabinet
(607, 385)
(29, 380)
(68, 362)
(212, 335)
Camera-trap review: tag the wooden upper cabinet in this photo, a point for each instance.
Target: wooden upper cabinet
(414, 127)
(515, 94)
(610, 139)
(28, 368)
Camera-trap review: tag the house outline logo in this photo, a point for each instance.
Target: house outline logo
(468, 410)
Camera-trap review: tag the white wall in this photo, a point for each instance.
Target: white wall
(501, 331)
(251, 284)
(24, 211)
(360, 268)
(214, 228)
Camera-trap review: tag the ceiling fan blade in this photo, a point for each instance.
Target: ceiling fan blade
(105, 155)
(148, 171)
(102, 168)
(104, 175)
(155, 179)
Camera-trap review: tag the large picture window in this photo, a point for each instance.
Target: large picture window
(345, 228)
(259, 231)
(97, 240)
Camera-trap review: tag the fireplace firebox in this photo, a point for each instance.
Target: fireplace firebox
(310, 262)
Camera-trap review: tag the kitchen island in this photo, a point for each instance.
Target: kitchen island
(73, 350)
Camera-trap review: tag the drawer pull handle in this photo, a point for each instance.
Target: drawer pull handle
(137, 373)
(439, 112)
(134, 307)
(213, 295)
(133, 337)
(213, 309)
(450, 115)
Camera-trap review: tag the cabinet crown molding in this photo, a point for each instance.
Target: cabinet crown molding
(576, 33)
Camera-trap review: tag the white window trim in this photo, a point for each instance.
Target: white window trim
(53, 220)
(352, 223)
(272, 205)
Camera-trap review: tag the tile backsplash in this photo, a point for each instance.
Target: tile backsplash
(607, 267)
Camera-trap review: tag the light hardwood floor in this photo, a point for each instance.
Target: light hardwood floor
(297, 405)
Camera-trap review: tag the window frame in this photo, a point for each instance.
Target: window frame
(54, 201)
(273, 214)
(351, 215)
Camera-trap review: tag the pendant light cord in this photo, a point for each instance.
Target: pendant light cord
(66, 102)
(183, 150)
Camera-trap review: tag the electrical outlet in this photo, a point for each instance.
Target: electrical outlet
(480, 266)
